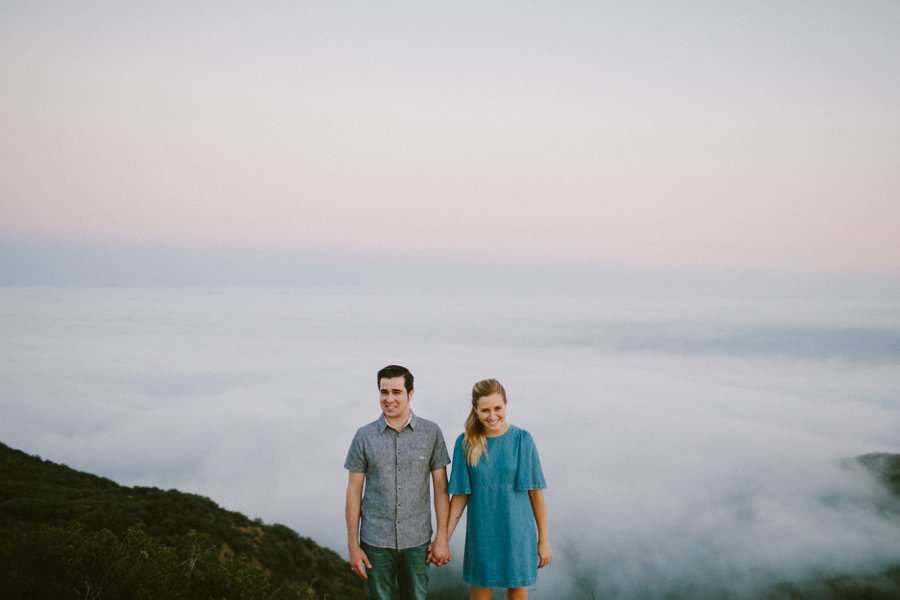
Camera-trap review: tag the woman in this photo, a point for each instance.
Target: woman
(497, 473)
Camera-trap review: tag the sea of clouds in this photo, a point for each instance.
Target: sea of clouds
(693, 441)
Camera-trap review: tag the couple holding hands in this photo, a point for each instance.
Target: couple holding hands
(395, 462)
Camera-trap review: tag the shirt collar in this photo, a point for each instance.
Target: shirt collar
(412, 422)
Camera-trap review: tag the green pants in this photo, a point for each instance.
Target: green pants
(392, 569)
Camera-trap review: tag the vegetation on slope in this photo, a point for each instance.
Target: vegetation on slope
(884, 585)
(65, 533)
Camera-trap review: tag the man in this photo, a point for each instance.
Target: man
(389, 528)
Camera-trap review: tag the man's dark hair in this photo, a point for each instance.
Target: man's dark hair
(391, 371)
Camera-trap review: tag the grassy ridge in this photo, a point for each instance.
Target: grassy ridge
(65, 533)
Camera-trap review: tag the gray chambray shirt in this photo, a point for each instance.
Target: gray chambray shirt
(396, 504)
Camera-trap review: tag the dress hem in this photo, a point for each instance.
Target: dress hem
(504, 584)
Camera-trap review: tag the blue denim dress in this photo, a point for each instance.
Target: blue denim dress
(501, 534)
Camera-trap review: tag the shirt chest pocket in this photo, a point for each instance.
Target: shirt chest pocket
(418, 455)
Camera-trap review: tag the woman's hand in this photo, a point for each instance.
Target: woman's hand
(545, 555)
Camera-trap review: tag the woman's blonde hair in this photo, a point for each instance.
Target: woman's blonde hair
(474, 440)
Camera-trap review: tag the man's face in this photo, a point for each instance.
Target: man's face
(394, 397)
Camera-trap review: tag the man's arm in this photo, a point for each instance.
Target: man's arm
(439, 552)
(358, 558)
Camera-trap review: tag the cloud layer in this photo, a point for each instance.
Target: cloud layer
(690, 442)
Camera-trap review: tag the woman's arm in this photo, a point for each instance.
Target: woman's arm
(545, 555)
(457, 506)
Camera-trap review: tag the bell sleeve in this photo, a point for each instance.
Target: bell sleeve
(529, 475)
(460, 482)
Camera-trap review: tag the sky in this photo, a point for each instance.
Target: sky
(740, 135)
(693, 444)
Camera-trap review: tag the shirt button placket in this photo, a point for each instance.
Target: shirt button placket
(397, 483)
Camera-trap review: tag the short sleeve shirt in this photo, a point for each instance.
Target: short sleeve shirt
(396, 504)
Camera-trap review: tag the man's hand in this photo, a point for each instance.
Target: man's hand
(439, 552)
(359, 561)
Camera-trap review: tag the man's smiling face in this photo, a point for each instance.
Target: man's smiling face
(394, 398)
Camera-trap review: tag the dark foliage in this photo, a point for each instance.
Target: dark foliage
(872, 586)
(68, 534)
(886, 467)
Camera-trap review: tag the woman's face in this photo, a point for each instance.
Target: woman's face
(491, 412)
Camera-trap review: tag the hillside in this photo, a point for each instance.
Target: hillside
(870, 586)
(886, 467)
(65, 533)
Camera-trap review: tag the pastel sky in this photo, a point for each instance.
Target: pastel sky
(760, 135)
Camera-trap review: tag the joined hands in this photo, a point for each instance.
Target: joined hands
(439, 553)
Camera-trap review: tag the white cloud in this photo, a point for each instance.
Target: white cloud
(667, 469)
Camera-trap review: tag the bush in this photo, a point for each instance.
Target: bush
(72, 562)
